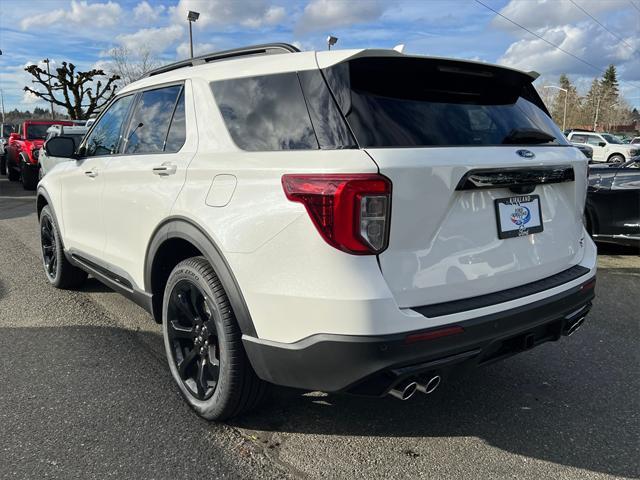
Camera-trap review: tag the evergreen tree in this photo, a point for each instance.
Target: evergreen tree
(590, 103)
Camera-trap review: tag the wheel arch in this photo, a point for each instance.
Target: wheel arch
(42, 200)
(178, 238)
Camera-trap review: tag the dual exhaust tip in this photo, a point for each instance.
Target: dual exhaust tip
(406, 388)
(572, 327)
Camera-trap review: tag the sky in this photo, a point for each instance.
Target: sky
(597, 32)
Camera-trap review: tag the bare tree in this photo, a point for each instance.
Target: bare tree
(132, 65)
(73, 90)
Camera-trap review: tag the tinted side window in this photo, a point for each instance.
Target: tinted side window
(579, 138)
(177, 131)
(331, 130)
(105, 137)
(150, 120)
(593, 140)
(266, 112)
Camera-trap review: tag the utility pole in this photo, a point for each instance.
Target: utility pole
(2, 102)
(46, 60)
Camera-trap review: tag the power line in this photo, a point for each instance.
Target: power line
(548, 42)
(634, 5)
(596, 20)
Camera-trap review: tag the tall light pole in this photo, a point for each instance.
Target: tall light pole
(566, 95)
(192, 17)
(46, 60)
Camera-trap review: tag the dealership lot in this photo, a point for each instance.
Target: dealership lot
(85, 393)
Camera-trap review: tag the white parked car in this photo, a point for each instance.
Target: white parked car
(606, 147)
(76, 133)
(356, 221)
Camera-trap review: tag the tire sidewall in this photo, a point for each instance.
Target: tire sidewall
(617, 158)
(213, 406)
(46, 212)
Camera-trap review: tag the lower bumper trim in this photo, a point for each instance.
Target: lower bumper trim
(371, 365)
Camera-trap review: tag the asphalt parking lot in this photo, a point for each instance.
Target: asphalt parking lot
(85, 393)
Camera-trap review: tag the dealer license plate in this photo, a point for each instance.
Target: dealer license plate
(518, 216)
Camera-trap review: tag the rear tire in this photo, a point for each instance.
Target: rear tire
(14, 175)
(29, 178)
(203, 344)
(3, 164)
(58, 270)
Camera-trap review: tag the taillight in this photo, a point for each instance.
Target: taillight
(351, 211)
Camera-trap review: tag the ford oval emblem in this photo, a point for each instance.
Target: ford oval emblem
(526, 153)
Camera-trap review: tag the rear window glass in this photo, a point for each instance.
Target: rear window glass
(407, 102)
(579, 138)
(266, 113)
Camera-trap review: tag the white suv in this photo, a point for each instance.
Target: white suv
(357, 221)
(606, 147)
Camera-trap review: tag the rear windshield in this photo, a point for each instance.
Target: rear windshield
(408, 102)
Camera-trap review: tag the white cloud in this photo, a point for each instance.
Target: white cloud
(536, 14)
(81, 13)
(272, 16)
(154, 40)
(198, 49)
(323, 14)
(250, 13)
(144, 12)
(564, 25)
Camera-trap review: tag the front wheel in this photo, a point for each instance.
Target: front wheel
(616, 158)
(59, 272)
(204, 346)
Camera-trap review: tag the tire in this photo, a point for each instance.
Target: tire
(58, 270)
(616, 158)
(199, 328)
(3, 164)
(13, 174)
(29, 178)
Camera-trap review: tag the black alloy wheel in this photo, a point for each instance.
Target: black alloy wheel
(49, 248)
(193, 338)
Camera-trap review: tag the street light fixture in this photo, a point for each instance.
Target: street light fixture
(192, 17)
(331, 40)
(566, 95)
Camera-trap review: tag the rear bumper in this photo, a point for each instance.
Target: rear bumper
(372, 365)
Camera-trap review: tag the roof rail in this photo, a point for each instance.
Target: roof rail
(265, 49)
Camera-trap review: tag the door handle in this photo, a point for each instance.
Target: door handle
(91, 173)
(165, 169)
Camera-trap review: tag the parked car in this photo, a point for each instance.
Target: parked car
(606, 147)
(5, 130)
(635, 141)
(75, 133)
(22, 164)
(612, 212)
(357, 221)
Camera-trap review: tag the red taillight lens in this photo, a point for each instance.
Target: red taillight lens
(351, 211)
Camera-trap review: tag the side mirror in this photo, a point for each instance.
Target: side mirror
(63, 147)
(602, 144)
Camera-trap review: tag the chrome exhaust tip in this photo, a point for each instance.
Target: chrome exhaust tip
(573, 328)
(404, 390)
(431, 385)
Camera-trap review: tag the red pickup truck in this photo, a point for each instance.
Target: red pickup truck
(22, 151)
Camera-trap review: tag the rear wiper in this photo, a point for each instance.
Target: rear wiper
(527, 135)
